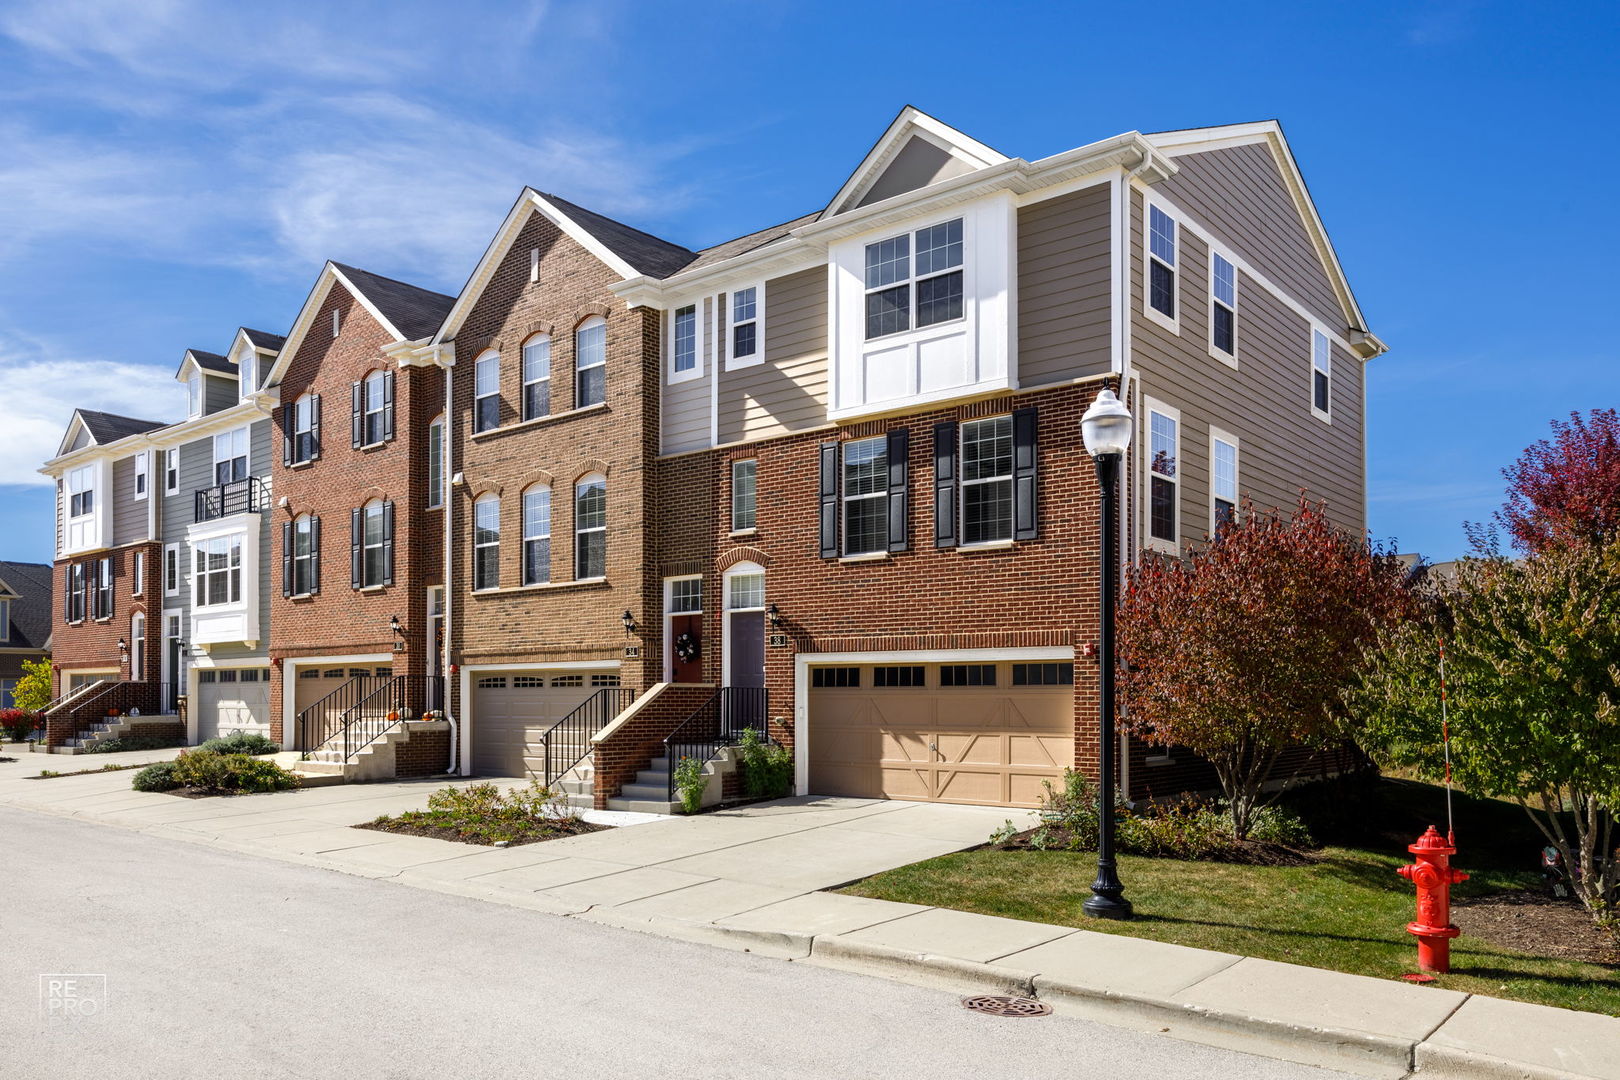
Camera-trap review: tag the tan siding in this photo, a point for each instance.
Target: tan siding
(1282, 447)
(686, 404)
(788, 392)
(1064, 319)
(1239, 195)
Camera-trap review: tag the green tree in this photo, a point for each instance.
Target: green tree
(1533, 674)
(1244, 649)
(33, 690)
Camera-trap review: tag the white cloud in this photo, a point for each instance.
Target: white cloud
(41, 390)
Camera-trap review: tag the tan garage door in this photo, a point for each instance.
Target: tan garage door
(314, 684)
(986, 733)
(511, 710)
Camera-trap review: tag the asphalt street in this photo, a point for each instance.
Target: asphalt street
(223, 965)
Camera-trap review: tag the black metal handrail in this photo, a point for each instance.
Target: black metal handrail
(245, 496)
(402, 698)
(67, 696)
(151, 698)
(319, 723)
(565, 743)
(718, 723)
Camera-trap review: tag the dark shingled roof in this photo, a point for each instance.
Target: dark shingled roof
(110, 427)
(415, 312)
(263, 340)
(212, 361)
(645, 253)
(31, 611)
(753, 241)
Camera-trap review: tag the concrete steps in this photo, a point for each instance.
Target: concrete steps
(648, 793)
(102, 730)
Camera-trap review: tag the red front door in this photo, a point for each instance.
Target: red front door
(683, 670)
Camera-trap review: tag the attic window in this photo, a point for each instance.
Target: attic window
(248, 372)
(534, 265)
(194, 394)
(337, 321)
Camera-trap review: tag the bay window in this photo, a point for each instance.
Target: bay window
(914, 279)
(217, 571)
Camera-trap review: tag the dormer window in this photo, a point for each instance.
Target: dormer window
(914, 279)
(194, 394)
(249, 372)
(81, 492)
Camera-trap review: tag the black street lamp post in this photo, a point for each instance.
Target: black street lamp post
(1106, 428)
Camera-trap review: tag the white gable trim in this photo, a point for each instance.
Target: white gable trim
(530, 202)
(911, 121)
(74, 426)
(306, 318)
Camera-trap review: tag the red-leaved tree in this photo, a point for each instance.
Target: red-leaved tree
(1566, 490)
(1245, 648)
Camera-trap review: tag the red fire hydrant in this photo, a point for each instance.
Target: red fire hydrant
(1433, 875)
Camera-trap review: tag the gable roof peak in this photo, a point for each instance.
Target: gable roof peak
(951, 151)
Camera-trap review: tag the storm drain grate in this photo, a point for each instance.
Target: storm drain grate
(1003, 1005)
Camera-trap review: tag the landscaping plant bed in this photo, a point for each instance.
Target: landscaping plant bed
(1535, 923)
(448, 827)
(487, 815)
(49, 774)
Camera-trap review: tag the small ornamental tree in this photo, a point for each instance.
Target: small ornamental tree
(33, 690)
(1245, 649)
(1533, 681)
(1566, 490)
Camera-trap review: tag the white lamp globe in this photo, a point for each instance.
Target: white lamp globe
(1106, 427)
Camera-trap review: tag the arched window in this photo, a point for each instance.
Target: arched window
(590, 527)
(435, 456)
(487, 542)
(537, 535)
(590, 362)
(487, 392)
(137, 647)
(537, 377)
(744, 661)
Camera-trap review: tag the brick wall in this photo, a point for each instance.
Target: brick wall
(425, 753)
(340, 620)
(93, 643)
(641, 738)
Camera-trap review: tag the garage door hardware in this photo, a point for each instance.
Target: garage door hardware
(1003, 1005)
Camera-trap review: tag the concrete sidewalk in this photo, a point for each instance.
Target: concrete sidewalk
(751, 879)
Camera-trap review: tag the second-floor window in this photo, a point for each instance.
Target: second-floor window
(590, 528)
(1161, 283)
(304, 428)
(142, 473)
(865, 495)
(303, 556)
(372, 545)
(137, 573)
(987, 480)
(914, 280)
(102, 582)
(217, 571)
(745, 343)
(231, 456)
(537, 377)
(171, 569)
(487, 392)
(685, 350)
(73, 593)
(1223, 479)
(1321, 375)
(435, 456)
(171, 470)
(374, 405)
(744, 494)
(537, 535)
(487, 542)
(1164, 482)
(590, 362)
(1222, 304)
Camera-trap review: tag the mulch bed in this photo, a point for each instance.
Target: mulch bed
(1540, 925)
(1242, 853)
(550, 831)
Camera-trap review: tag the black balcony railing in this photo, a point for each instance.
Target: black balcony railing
(222, 500)
(718, 722)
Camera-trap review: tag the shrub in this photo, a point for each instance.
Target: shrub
(486, 802)
(121, 743)
(690, 783)
(158, 777)
(18, 724)
(1279, 825)
(241, 742)
(219, 773)
(33, 690)
(767, 767)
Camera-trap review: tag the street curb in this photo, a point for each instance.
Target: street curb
(928, 969)
(1445, 1063)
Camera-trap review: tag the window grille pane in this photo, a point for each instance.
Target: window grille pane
(537, 360)
(967, 675)
(1043, 674)
(939, 299)
(686, 596)
(1225, 471)
(743, 339)
(939, 247)
(835, 676)
(746, 591)
(1162, 509)
(488, 376)
(1222, 330)
(743, 495)
(889, 311)
(1163, 445)
(743, 305)
(1163, 295)
(888, 261)
(906, 675)
(686, 338)
(866, 466)
(536, 561)
(1162, 235)
(1225, 282)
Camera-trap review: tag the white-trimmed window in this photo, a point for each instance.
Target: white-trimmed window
(137, 573)
(217, 571)
(537, 377)
(374, 404)
(247, 373)
(194, 394)
(1160, 288)
(744, 495)
(435, 456)
(1321, 374)
(1222, 308)
(745, 589)
(987, 480)
(1164, 476)
(231, 456)
(590, 528)
(303, 429)
(137, 647)
(914, 280)
(685, 343)
(303, 557)
(487, 543)
(373, 545)
(686, 596)
(337, 322)
(5, 621)
(745, 344)
(1223, 479)
(143, 465)
(81, 507)
(487, 392)
(590, 362)
(171, 569)
(102, 575)
(537, 535)
(866, 495)
(171, 470)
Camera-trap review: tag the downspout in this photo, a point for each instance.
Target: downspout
(446, 471)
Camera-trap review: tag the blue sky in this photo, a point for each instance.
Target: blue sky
(177, 169)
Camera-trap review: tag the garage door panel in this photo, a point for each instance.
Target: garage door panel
(971, 786)
(976, 749)
(900, 782)
(513, 710)
(1028, 788)
(1040, 751)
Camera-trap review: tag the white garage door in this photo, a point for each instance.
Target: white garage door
(982, 733)
(511, 710)
(232, 699)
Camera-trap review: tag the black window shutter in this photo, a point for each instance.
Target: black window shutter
(354, 548)
(1026, 524)
(388, 542)
(357, 393)
(829, 500)
(945, 515)
(388, 405)
(67, 593)
(314, 555)
(899, 449)
(286, 558)
(287, 433)
(314, 426)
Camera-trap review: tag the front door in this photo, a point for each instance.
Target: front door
(686, 644)
(745, 648)
(174, 675)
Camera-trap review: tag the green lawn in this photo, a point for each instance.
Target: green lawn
(1346, 912)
